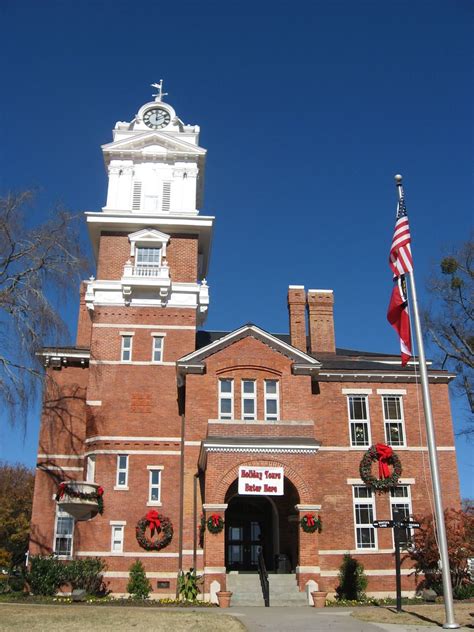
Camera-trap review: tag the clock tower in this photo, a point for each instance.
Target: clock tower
(156, 172)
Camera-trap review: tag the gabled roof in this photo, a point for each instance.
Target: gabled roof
(302, 362)
(152, 142)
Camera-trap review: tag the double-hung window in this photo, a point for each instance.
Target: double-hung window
(147, 261)
(226, 399)
(117, 538)
(90, 468)
(272, 411)
(157, 353)
(249, 400)
(359, 420)
(154, 494)
(393, 420)
(63, 534)
(126, 353)
(364, 515)
(400, 507)
(122, 471)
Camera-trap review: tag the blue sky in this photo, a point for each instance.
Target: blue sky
(307, 110)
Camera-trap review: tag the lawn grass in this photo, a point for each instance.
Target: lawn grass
(75, 618)
(426, 614)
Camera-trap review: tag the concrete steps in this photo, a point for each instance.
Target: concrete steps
(247, 591)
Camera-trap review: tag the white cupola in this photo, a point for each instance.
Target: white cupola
(154, 163)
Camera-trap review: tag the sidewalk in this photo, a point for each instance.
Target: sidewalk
(259, 619)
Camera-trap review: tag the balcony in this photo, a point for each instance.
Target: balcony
(81, 500)
(146, 276)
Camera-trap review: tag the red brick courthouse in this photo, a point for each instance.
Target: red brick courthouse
(255, 428)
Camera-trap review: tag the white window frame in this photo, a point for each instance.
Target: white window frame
(90, 468)
(222, 396)
(147, 264)
(161, 337)
(151, 469)
(400, 422)
(272, 397)
(401, 500)
(364, 501)
(125, 336)
(118, 485)
(359, 421)
(63, 514)
(117, 527)
(248, 396)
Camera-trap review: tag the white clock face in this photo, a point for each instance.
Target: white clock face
(156, 118)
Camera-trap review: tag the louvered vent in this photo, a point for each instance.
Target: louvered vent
(165, 206)
(137, 196)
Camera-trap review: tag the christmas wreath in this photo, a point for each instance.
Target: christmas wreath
(156, 522)
(385, 457)
(68, 490)
(215, 524)
(310, 524)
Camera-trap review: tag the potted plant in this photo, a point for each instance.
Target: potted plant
(223, 597)
(319, 598)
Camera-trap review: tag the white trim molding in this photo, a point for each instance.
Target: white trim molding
(214, 570)
(308, 507)
(130, 326)
(60, 456)
(308, 569)
(93, 402)
(356, 391)
(391, 391)
(215, 507)
(356, 551)
(135, 452)
(59, 468)
(401, 481)
(117, 523)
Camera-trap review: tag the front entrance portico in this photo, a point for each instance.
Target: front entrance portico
(258, 522)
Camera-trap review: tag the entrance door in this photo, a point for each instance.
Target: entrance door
(248, 531)
(244, 542)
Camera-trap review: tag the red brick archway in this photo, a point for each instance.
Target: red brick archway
(229, 477)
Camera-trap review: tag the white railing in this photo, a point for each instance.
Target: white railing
(150, 272)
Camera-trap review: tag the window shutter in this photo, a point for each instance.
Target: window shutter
(165, 206)
(136, 196)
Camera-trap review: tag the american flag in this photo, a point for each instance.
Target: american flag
(400, 258)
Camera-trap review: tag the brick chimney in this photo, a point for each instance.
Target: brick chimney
(321, 321)
(297, 310)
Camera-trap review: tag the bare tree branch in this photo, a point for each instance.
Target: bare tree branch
(38, 265)
(449, 323)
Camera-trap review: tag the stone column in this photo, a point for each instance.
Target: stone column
(308, 550)
(214, 553)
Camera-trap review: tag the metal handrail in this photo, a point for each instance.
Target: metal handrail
(265, 584)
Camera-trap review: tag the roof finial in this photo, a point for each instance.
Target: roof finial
(160, 94)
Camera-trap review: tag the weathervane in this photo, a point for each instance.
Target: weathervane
(160, 94)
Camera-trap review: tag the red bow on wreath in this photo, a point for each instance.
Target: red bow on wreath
(215, 520)
(309, 520)
(60, 493)
(153, 521)
(100, 491)
(384, 452)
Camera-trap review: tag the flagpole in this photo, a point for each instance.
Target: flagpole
(450, 623)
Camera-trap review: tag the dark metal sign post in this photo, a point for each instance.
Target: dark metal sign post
(397, 525)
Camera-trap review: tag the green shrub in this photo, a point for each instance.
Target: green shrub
(138, 585)
(465, 591)
(352, 580)
(86, 574)
(46, 576)
(188, 585)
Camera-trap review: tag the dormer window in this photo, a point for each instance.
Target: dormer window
(147, 256)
